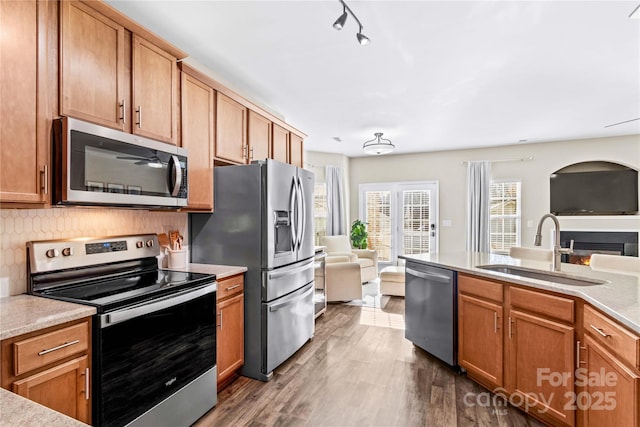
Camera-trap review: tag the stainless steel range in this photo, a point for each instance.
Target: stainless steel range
(154, 334)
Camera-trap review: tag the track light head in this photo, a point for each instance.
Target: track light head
(341, 20)
(362, 39)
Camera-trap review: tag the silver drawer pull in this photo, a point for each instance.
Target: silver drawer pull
(600, 331)
(233, 287)
(61, 346)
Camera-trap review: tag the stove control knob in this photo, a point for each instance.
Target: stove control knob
(52, 253)
(149, 243)
(139, 244)
(67, 252)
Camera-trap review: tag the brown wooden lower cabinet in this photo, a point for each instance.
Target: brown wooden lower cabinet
(480, 347)
(611, 395)
(230, 331)
(63, 388)
(540, 366)
(52, 367)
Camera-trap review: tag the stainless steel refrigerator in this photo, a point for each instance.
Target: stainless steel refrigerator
(263, 219)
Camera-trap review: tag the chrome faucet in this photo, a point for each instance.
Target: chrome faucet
(557, 250)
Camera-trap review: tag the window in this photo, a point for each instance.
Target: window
(401, 217)
(320, 210)
(505, 215)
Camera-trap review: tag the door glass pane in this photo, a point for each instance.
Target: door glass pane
(415, 221)
(378, 206)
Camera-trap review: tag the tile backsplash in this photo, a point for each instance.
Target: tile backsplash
(18, 226)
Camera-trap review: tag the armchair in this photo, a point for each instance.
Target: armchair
(342, 279)
(367, 259)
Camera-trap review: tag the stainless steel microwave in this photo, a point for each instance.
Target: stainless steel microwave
(95, 165)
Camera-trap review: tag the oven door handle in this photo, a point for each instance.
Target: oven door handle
(111, 319)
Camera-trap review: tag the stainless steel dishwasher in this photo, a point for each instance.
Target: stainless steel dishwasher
(430, 310)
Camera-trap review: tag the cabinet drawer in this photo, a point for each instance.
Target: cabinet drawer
(548, 305)
(38, 351)
(480, 287)
(230, 286)
(612, 336)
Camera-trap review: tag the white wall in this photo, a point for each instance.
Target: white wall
(448, 169)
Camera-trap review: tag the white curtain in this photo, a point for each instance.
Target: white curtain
(478, 187)
(336, 217)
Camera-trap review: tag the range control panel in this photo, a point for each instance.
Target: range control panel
(51, 255)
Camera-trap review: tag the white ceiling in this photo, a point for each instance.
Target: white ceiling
(438, 75)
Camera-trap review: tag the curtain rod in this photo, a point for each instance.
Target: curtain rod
(522, 159)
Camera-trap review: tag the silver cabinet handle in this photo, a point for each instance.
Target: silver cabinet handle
(495, 322)
(600, 331)
(61, 346)
(44, 179)
(123, 112)
(251, 153)
(510, 327)
(578, 361)
(86, 384)
(220, 319)
(234, 287)
(139, 113)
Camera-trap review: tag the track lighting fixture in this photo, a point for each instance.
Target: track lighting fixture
(342, 19)
(378, 145)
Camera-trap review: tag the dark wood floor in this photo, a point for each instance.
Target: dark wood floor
(359, 370)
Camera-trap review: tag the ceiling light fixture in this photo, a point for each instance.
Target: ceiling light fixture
(342, 19)
(378, 145)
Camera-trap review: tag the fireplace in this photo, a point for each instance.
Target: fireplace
(586, 243)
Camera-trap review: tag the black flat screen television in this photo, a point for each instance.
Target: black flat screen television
(595, 193)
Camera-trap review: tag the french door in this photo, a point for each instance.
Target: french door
(401, 218)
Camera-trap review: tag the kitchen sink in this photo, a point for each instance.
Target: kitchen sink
(549, 276)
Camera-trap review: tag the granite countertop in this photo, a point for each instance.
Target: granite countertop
(221, 271)
(21, 314)
(18, 411)
(619, 297)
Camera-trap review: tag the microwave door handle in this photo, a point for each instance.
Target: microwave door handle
(177, 181)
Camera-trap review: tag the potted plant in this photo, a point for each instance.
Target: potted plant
(359, 234)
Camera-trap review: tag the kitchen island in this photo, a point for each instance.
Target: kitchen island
(556, 350)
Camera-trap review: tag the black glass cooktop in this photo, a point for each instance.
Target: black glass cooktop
(112, 293)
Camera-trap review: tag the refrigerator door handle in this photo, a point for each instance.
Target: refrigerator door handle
(302, 214)
(292, 220)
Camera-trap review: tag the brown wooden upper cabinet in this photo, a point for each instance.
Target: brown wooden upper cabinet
(295, 150)
(92, 66)
(280, 144)
(102, 64)
(198, 107)
(231, 130)
(155, 91)
(24, 134)
(259, 137)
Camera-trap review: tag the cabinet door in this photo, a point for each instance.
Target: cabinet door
(230, 336)
(91, 66)
(197, 136)
(231, 134)
(64, 388)
(259, 137)
(24, 137)
(612, 390)
(540, 370)
(155, 74)
(480, 345)
(295, 150)
(280, 148)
